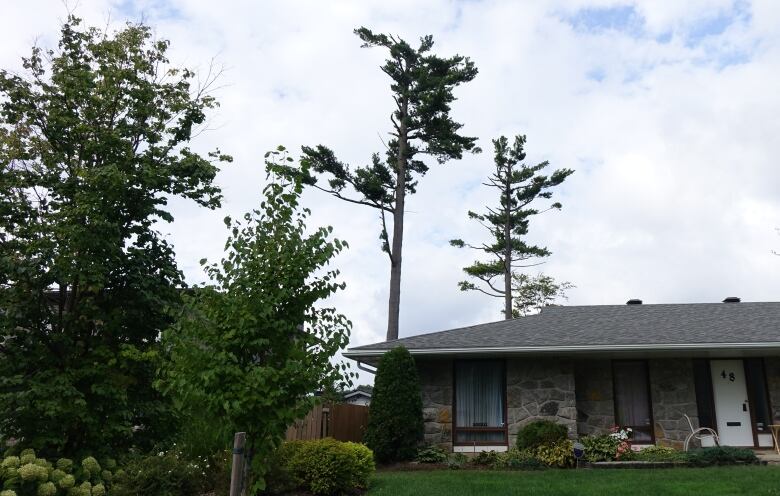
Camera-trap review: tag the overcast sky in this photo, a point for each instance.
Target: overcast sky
(668, 111)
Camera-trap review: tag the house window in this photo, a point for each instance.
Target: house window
(480, 413)
(632, 399)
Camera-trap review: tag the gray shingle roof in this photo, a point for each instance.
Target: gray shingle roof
(609, 326)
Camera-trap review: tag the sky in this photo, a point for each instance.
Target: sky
(667, 111)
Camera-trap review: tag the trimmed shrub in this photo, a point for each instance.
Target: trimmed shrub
(541, 432)
(322, 467)
(431, 454)
(395, 424)
(721, 455)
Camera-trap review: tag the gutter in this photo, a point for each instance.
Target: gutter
(357, 354)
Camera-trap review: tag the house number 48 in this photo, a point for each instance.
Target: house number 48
(731, 376)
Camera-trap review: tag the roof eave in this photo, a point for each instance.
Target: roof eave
(358, 354)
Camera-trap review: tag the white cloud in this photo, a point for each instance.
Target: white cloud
(674, 198)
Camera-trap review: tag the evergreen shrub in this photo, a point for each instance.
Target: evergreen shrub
(395, 423)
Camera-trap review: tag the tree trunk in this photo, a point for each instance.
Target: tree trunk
(508, 248)
(394, 303)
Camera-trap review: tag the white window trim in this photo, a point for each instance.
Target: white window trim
(478, 449)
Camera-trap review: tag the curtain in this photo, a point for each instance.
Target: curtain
(479, 399)
(632, 398)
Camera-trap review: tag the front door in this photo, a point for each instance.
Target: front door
(731, 403)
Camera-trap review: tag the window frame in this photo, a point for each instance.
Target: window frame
(456, 429)
(649, 402)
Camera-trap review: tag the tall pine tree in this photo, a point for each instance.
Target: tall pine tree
(422, 85)
(93, 142)
(519, 186)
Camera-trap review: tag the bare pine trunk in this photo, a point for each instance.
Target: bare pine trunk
(394, 303)
(507, 252)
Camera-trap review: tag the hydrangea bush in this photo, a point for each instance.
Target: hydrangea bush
(28, 475)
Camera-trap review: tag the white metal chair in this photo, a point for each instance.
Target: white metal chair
(707, 437)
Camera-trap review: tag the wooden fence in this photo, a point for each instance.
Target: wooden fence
(340, 421)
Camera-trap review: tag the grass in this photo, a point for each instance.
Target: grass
(752, 480)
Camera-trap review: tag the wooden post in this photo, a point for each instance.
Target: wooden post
(237, 474)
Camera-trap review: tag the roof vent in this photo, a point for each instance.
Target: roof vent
(634, 301)
(732, 299)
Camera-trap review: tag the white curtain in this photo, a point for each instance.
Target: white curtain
(479, 398)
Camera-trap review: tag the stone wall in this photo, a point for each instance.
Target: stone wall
(594, 396)
(772, 368)
(436, 389)
(540, 389)
(673, 393)
(536, 389)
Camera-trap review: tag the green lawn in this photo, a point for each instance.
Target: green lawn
(754, 480)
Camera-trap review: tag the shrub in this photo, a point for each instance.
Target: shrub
(558, 454)
(659, 454)
(431, 454)
(485, 458)
(323, 467)
(541, 432)
(456, 460)
(162, 474)
(395, 424)
(28, 475)
(721, 455)
(518, 459)
(600, 448)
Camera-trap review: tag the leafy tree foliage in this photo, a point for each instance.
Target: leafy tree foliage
(422, 86)
(93, 142)
(532, 293)
(519, 185)
(395, 423)
(252, 347)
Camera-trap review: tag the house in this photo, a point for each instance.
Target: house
(360, 396)
(593, 367)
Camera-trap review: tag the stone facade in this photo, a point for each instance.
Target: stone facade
(436, 388)
(578, 394)
(540, 389)
(772, 368)
(672, 393)
(536, 389)
(594, 394)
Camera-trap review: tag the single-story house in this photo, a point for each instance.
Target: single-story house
(594, 367)
(360, 396)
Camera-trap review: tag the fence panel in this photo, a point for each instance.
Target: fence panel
(340, 421)
(348, 422)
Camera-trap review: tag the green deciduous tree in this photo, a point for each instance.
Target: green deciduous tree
(250, 349)
(422, 86)
(519, 185)
(532, 293)
(93, 142)
(395, 423)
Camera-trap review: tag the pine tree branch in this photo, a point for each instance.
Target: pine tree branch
(475, 288)
(352, 200)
